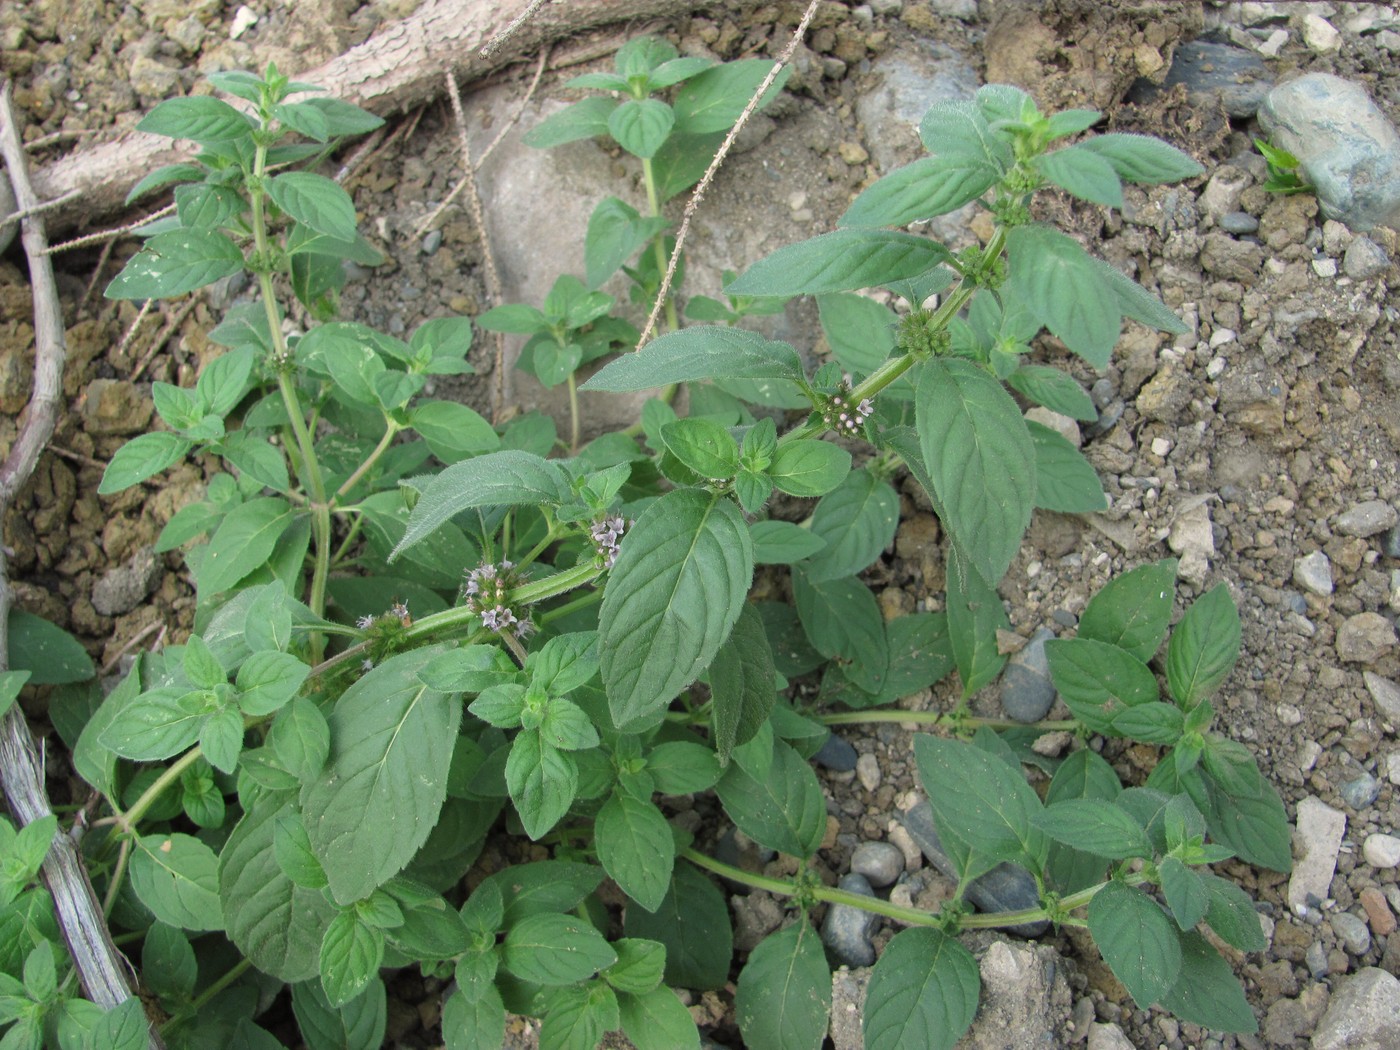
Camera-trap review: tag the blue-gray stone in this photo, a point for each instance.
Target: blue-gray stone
(1361, 791)
(847, 930)
(1007, 887)
(1209, 70)
(836, 755)
(1390, 543)
(880, 862)
(1238, 223)
(1295, 602)
(1353, 932)
(1108, 419)
(1316, 959)
(1345, 146)
(1027, 693)
(432, 242)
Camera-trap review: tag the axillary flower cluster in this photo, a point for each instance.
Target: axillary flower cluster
(607, 536)
(487, 594)
(840, 415)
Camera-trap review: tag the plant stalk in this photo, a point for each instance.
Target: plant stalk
(658, 243)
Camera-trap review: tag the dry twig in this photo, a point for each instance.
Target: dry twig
(107, 235)
(695, 198)
(100, 967)
(505, 34)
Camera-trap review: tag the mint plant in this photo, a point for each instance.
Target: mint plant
(415, 631)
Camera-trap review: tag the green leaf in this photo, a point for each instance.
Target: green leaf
(292, 848)
(657, 1020)
(1253, 824)
(860, 331)
(741, 686)
(700, 352)
(1230, 913)
(679, 767)
(636, 848)
(981, 460)
(672, 598)
(167, 963)
(1083, 172)
(693, 923)
(1096, 827)
(379, 796)
(1152, 723)
(1137, 940)
(578, 1016)
(1064, 480)
(840, 261)
(342, 118)
(782, 543)
(1133, 610)
(704, 446)
(922, 993)
(243, 542)
(356, 1025)
(930, 186)
(975, 614)
(221, 738)
(515, 319)
(958, 129)
(542, 781)
(267, 680)
(1056, 391)
(142, 457)
(351, 954)
(164, 176)
(616, 230)
(1071, 122)
(258, 460)
(1064, 288)
(48, 653)
(1204, 647)
(1142, 159)
(123, 1027)
(315, 201)
(640, 126)
(474, 1022)
(453, 431)
(713, 100)
(153, 726)
(1098, 680)
(207, 207)
(582, 120)
(176, 876)
(783, 998)
(301, 739)
(174, 263)
(543, 886)
(640, 55)
(553, 949)
(785, 811)
(1206, 991)
(26, 852)
(199, 119)
(809, 467)
(979, 799)
(676, 70)
(640, 964)
(1185, 893)
(857, 521)
(500, 479)
(843, 621)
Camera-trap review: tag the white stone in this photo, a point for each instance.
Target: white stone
(1313, 573)
(1325, 267)
(1221, 336)
(1062, 425)
(1361, 1013)
(1392, 767)
(1107, 1037)
(1288, 714)
(1308, 754)
(1320, 35)
(1190, 538)
(1385, 694)
(900, 837)
(1216, 368)
(243, 20)
(1274, 44)
(868, 771)
(1161, 446)
(1382, 851)
(1317, 840)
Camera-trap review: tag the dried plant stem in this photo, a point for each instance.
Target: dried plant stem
(100, 967)
(107, 235)
(102, 259)
(40, 208)
(695, 198)
(493, 276)
(176, 319)
(491, 46)
(130, 335)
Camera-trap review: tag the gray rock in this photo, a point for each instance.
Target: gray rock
(1381, 851)
(846, 931)
(1364, 259)
(1390, 544)
(124, 588)
(1315, 958)
(1237, 77)
(1025, 999)
(1027, 693)
(1317, 841)
(1107, 1037)
(1360, 792)
(1345, 146)
(8, 206)
(1007, 887)
(756, 915)
(1354, 934)
(868, 772)
(1365, 638)
(848, 1008)
(880, 862)
(1385, 694)
(1313, 573)
(836, 754)
(432, 241)
(1238, 222)
(1361, 1014)
(1367, 519)
(1221, 197)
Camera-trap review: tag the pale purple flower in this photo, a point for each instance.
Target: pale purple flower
(365, 622)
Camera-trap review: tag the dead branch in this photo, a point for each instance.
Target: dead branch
(396, 69)
(99, 965)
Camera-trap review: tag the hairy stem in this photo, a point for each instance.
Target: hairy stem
(658, 243)
(391, 429)
(573, 415)
(148, 797)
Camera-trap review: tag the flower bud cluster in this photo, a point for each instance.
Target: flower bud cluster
(918, 336)
(840, 415)
(487, 594)
(607, 536)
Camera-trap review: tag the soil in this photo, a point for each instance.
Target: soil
(1237, 446)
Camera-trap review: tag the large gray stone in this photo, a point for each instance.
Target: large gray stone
(1362, 1014)
(1317, 840)
(1025, 999)
(1211, 71)
(847, 929)
(1345, 145)
(1027, 691)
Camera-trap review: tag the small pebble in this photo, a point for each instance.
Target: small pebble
(1390, 543)
(1361, 792)
(846, 931)
(1027, 693)
(1353, 932)
(880, 862)
(868, 772)
(904, 842)
(1385, 694)
(1239, 222)
(243, 20)
(1325, 267)
(432, 242)
(1382, 851)
(1364, 259)
(1316, 959)
(1288, 714)
(1367, 519)
(1313, 574)
(1378, 912)
(1392, 767)
(836, 754)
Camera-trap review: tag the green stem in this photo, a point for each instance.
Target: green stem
(932, 718)
(391, 429)
(583, 601)
(527, 594)
(157, 788)
(658, 243)
(573, 416)
(118, 873)
(192, 1010)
